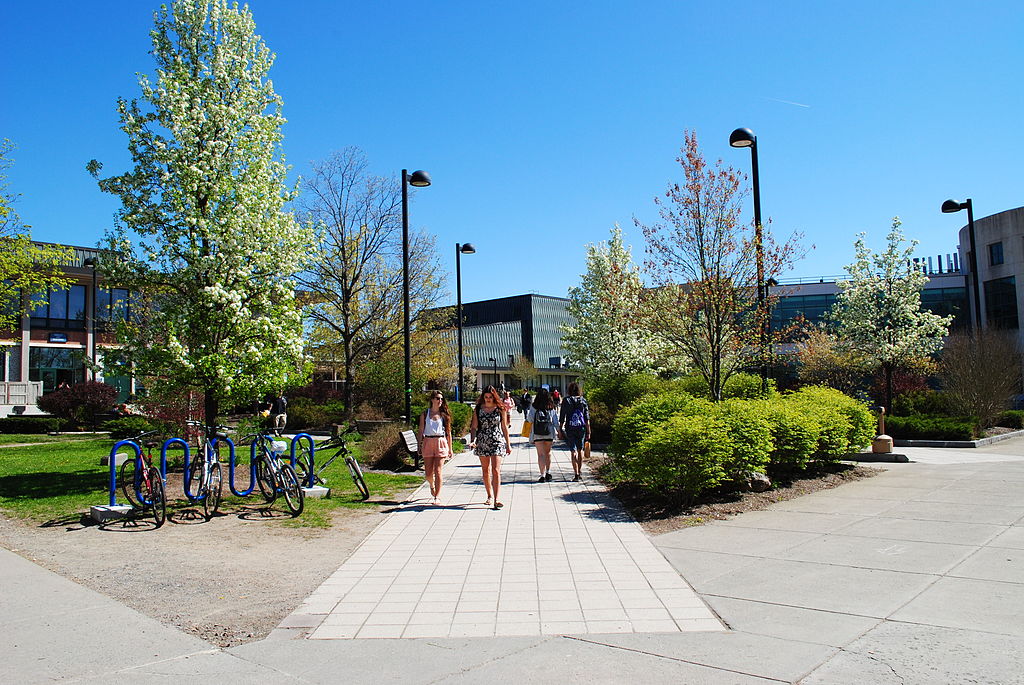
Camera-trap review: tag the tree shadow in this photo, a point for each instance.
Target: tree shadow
(42, 484)
(598, 506)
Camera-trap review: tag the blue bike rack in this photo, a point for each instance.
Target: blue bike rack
(311, 477)
(252, 471)
(113, 466)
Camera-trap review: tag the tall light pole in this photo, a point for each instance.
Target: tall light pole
(949, 207)
(744, 137)
(460, 250)
(91, 262)
(418, 179)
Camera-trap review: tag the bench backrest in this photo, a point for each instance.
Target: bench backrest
(411, 443)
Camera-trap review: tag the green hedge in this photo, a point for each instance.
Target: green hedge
(930, 427)
(30, 425)
(653, 440)
(130, 426)
(461, 415)
(738, 386)
(1013, 418)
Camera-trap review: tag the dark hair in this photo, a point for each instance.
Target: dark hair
(542, 400)
(490, 390)
(443, 410)
(574, 389)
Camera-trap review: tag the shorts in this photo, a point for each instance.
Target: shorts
(436, 447)
(575, 438)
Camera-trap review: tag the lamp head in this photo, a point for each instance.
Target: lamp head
(419, 179)
(950, 206)
(467, 248)
(89, 261)
(742, 137)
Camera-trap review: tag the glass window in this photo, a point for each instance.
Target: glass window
(64, 309)
(1001, 302)
(55, 367)
(76, 303)
(995, 254)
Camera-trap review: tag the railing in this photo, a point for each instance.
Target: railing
(20, 392)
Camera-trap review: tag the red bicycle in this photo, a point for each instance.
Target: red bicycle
(142, 483)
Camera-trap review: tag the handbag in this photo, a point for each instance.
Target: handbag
(527, 427)
(586, 450)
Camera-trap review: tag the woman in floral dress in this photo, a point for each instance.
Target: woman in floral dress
(489, 438)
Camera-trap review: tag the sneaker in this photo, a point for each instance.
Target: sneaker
(548, 477)
(541, 479)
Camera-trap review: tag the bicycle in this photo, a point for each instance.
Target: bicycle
(275, 477)
(303, 460)
(142, 483)
(205, 473)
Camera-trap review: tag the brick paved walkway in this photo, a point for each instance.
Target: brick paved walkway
(560, 558)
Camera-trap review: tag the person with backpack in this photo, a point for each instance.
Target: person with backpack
(574, 424)
(435, 438)
(278, 411)
(525, 402)
(543, 429)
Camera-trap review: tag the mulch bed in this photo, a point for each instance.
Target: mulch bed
(660, 514)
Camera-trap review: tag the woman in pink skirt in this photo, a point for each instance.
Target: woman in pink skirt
(435, 436)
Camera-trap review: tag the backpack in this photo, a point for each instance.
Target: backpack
(577, 419)
(542, 426)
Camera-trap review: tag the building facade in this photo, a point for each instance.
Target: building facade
(999, 239)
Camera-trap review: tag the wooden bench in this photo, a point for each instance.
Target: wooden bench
(413, 445)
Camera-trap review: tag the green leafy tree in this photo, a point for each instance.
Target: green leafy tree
(216, 248)
(27, 270)
(878, 314)
(609, 337)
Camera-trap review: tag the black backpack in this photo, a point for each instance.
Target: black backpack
(542, 426)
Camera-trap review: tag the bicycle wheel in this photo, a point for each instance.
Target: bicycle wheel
(213, 488)
(194, 479)
(303, 463)
(130, 480)
(357, 477)
(293, 495)
(156, 496)
(266, 480)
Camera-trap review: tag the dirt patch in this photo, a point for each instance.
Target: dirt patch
(228, 581)
(658, 514)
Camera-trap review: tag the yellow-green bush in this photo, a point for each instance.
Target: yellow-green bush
(750, 431)
(861, 422)
(684, 454)
(637, 420)
(794, 434)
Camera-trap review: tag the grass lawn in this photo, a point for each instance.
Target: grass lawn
(55, 480)
(23, 438)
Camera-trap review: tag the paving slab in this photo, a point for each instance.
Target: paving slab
(966, 513)
(800, 521)
(699, 567)
(891, 555)
(558, 552)
(953, 532)
(993, 563)
(792, 623)
(908, 654)
(734, 539)
(1012, 538)
(825, 503)
(982, 605)
(860, 591)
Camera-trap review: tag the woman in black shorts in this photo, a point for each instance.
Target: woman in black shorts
(544, 426)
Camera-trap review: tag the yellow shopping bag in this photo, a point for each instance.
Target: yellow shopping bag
(527, 427)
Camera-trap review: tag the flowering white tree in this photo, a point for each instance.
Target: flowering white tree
(609, 337)
(878, 314)
(216, 249)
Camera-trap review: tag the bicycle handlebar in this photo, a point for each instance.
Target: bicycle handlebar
(142, 435)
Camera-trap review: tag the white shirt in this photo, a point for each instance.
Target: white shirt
(434, 425)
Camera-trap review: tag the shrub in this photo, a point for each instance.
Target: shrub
(684, 454)
(634, 422)
(794, 434)
(601, 418)
(1011, 419)
(80, 402)
(860, 423)
(928, 402)
(461, 412)
(30, 425)
(385, 448)
(931, 427)
(130, 426)
(623, 391)
(306, 413)
(750, 432)
(739, 385)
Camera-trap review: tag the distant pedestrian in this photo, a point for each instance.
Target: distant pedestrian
(556, 397)
(510, 404)
(489, 437)
(278, 412)
(526, 401)
(435, 438)
(543, 429)
(574, 422)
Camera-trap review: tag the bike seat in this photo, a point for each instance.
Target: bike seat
(220, 436)
(151, 444)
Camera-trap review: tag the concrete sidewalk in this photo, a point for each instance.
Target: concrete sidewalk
(914, 576)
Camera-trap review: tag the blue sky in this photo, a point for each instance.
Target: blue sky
(545, 123)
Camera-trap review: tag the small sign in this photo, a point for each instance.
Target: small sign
(58, 337)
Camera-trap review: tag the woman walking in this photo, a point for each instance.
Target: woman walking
(490, 441)
(574, 423)
(435, 436)
(544, 426)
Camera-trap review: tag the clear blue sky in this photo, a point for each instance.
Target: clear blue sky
(544, 123)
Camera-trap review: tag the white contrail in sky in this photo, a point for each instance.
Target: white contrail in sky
(788, 102)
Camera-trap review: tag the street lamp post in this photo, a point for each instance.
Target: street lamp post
(744, 137)
(495, 362)
(418, 179)
(949, 207)
(460, 250)
(91, 262)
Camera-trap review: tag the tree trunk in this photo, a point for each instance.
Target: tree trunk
(349, 379)
(210, 407)
(887, 368)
